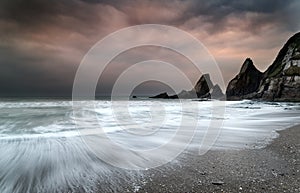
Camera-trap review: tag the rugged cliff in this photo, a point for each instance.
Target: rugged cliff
(280, 82)
(245, 83)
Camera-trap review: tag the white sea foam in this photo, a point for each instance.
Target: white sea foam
(41, 148)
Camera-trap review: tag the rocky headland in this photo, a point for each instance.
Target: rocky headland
(280, 82)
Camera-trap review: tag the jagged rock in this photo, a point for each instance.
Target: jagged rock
(217, 93)
(281, 81)
(161, 96)
(203, 86)
(187, 94)
(200, 90)
(245, 83)
(287, 57)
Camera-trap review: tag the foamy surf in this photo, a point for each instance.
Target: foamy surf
(41, 147)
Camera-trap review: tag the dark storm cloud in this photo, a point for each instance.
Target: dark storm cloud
(28, 74)
(215, 11)
(32, 13)
(266, 11)
(225, 7)
(42, 42)
(38, 15)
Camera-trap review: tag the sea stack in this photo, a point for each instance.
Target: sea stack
(203, 86)
(201, 90)
(245, 83)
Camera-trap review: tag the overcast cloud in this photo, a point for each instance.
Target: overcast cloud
(42, 42)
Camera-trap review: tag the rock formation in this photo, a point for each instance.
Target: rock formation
(200, 90)
(203, 86)
(245, 83)
(161, 96)
(187, 94)
(280, 82)
(216, 93)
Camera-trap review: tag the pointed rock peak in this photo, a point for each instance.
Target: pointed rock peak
(246, 82)
(294, 39)
(217, 93)
(203, 86)
(248, 65)
(206, 78)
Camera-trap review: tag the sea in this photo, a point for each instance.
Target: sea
(60, 145)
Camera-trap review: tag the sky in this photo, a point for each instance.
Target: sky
(42, 42)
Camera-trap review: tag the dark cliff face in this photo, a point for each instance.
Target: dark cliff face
(203, 86)
(280, 82)
(245, 83)
(289, 52)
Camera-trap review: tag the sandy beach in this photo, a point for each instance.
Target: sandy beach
(275, 168)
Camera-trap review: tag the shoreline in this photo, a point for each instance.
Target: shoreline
(274, 168)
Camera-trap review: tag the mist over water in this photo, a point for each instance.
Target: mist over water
(41, 148)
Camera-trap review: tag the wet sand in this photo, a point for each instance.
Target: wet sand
(275, 168)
